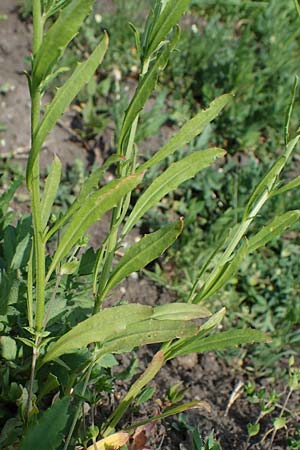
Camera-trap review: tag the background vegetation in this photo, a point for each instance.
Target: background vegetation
(252, 49)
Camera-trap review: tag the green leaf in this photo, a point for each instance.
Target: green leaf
(297, 6)
(98, 328)
(58, 37)
(290, 111)
(151, 371)
(176, 174)
(137, 327)
(69, 267)
(189, 131)
(91, 211)
(221, 275)
(8, 348)
(279, 422)
(180, 311)
(63, 98)
(143, 252)
(50, 190)
(177, 409)
(253, 429)
(274, 229)
(287, 187)
(49, 385)
(88, 187)
(221, 341)
(209, 325)
(267, 184)
(143, 92)
(148, 332)
(22, 253)
(7, 196)
(163, 24)
(46, 434)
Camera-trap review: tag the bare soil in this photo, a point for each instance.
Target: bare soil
(207, 376)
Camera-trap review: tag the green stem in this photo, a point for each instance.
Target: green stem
(77, 413)
(39, 249)
(118, 212)
(30, 289)
(35, 355)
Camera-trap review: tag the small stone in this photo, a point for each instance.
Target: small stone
(188, 361)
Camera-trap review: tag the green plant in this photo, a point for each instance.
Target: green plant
(269, 405)
(197, 441)
(58, 335)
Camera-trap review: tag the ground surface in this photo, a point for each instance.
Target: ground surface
(207, 377)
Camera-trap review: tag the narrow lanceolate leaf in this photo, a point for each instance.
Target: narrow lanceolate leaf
(50, 190)
(64, 96)
(189, 131)
(221, 275)
(297, 5)
(58, 37)
(213, 322)
(112, 442)
(147, 376)
(295, 183)
(145, 88)
(176, 174)
(90, 212)
(169, 17)
(120, 329)
(143, 252)
(274, 229)
(150, 331)
(100, 327)
(221, 341)
(46, 433)
(269, 180)
(88, 187)
(172, 410)
(180, 311)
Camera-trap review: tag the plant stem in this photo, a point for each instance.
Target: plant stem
(76, 415)
(119, 211)
(35, 354)
(38, 246)
(39, 249)
(280, 415)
